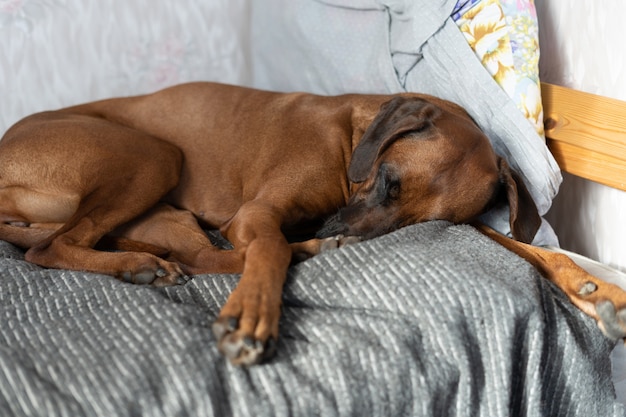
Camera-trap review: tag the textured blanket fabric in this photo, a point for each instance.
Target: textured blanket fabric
(431, 320)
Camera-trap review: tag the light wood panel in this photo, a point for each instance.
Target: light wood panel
(586, 134)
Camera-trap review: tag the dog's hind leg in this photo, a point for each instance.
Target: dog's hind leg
(25, 235)
(93, 177)
(71, 246)
(178, 232)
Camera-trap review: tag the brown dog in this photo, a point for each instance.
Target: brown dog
(153, 171)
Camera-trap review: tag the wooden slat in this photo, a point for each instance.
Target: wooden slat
(588, 164)
(586, 133)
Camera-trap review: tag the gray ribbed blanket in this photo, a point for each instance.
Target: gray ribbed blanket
(431, 320)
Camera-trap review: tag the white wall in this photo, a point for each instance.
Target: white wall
(582, 47)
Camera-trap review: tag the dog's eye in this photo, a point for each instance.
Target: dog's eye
(387, 185)
(393, 189)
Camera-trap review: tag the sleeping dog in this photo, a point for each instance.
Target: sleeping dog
(150, 173)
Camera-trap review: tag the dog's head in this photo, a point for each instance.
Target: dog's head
(423, 159)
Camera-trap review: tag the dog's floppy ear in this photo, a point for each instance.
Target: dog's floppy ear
(395, 118)
(524, 217)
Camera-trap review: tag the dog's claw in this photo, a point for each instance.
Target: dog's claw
(222, 326)
(144, 277)
(241, 350)
(270, 348)
(249, 343)
(183, 279)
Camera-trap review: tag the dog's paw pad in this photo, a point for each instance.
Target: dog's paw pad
(587, 289)
(141, 278)
(144, 277)
(156, 276)
(242, 350)
(611, 322)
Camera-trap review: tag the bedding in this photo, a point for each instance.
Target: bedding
(433, 319)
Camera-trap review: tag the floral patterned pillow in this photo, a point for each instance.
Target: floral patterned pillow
(504, 36)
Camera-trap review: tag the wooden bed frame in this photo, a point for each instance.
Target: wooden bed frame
(586, 133)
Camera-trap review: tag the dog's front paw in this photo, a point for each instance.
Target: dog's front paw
(239, 348)
(603, 301)
(338, 241)
(153, 271)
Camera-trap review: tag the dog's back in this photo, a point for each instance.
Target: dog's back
(236, 141)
